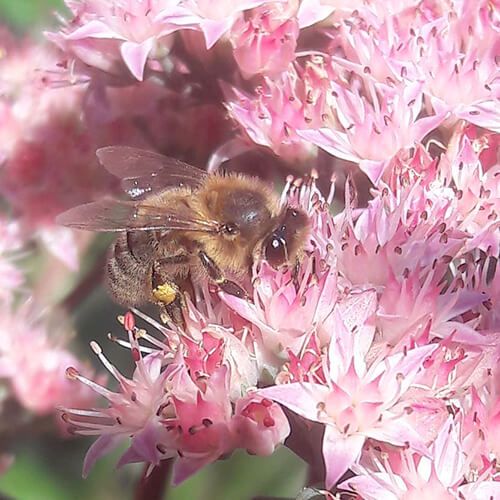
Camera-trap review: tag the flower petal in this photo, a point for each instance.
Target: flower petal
(484, 114)
(374, 486)
(104, 444)
(312, 12)
(135, 56)
(400, 433)
(94, 29)
(333, 142)
(301, 398)
(339, 452)
(214, 29)
(228, 151)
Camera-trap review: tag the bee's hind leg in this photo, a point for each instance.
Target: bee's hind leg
(168, 296)
(173, 311)
(216, 275)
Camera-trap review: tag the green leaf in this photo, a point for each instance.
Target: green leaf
(23, 15)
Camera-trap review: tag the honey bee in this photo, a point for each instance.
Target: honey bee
(181, 222)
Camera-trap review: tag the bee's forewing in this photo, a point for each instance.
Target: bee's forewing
(146, 172)
(114, 215)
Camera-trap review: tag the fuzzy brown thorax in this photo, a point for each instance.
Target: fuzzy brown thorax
(244, 208)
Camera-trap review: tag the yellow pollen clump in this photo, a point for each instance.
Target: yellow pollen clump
(165, 293)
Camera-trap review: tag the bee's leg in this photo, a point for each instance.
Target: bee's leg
(295, 273)
(166, 293)
(216, 275)
(172, 313)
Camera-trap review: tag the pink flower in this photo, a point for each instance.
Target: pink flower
(431, 43)
(358, 401)
(411, 476)
(460, 76)
(335, 11)
(289, 306)
(179, 403)
(134, 410)
(376, 345)
(481, 418)
(297, 99)
(103, 34)
(283, 313)
(481, 277)
(397, 233)
(450, 372)
(484, 143)
(477, 192)
(381, 40)
(313, 11)
(213, 19)
(261, 425)
(408, 305)
(266, 42)
(377, 350)
(370, 57)
(163, 408)
(373, 132)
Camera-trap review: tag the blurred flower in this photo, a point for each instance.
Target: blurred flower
(33, 360)
(51, 165)
(213, 19)
(11, 277)
(6, 462)
(106, 34)
(46, 168)
(266, 42)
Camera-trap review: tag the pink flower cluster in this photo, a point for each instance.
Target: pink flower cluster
(32, 360)
(377, 359)
(186, 399)
(386, 337)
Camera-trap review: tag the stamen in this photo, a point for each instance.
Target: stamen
(98, 351)
(73, 374)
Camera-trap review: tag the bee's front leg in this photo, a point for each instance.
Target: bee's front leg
(215, 274)
(295, 273)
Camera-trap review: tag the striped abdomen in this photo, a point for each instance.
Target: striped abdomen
(130, 267)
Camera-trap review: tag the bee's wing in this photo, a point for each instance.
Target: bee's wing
(115, 215)
(145, 172)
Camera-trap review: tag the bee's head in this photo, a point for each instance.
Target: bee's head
(287, 238)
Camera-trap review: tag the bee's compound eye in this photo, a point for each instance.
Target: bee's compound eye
(231, 228)
(276, 251)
